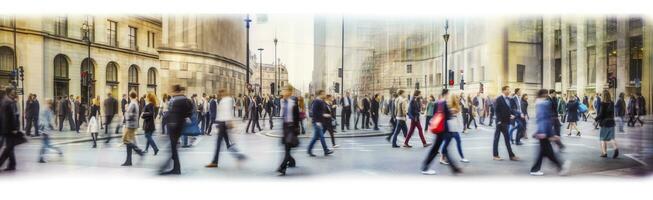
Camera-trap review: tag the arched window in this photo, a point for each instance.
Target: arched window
(133, 74)
(61, 75)
(112, 73)
(88, 80)
(151, 77)
(133, 79)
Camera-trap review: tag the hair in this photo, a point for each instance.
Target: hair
(300, 103)
(178, 88)
(133, 95)
(431, 97)
(96, 101)
(9, 90)
(606, 96)
(454, 102)
(504, 88)
(152, 99)
(400, 92)
(543, 93)
(524, 96)
(551, 91)
(416, 93)
(49, 103)
(517, 90)
(319, 92)
(444, 92)
(222, 93)
(621, 95)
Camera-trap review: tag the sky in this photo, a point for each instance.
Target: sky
(294, 33)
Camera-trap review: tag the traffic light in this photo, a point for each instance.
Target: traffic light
(451, 77)
(339, 72)
(417, 86)
(336, 87)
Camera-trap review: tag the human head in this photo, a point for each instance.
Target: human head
(543, 93)
(524, 96)
(606, 96)
(320, 94)
(133, 95)
(223, 93)
(287, 92)
(505, 90)
(124, 96)
(431, 98)
(151, 98)
(400, 93)
(177, 89)
(49, 103)
(621, 95)
(445, 93)
(518, 91)
(10, 92)
(416, 93)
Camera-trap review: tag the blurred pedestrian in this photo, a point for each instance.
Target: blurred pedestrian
(10, 127)
(479, 103)
(290, 115)
(213, 113)
(374, 110)
(605, 119)
(320, 117)
(131, 124)
(554, 102)
(504, 114)
(254, 115)
(414, 108)
(620, 111)
(164, 113)
(518, 124)
(345, 103)
(80, 113)
(110, 110)
(390, 110)
(45, 129)
(632, 110)
(490, 105)
(224, 124)
(455, 126)
(572, 115)
(400, 110)
(179, 113)
(545, 134)
(65, 113)
(328, 126)
(93, 127)
(471, 113)
(32, 115)
(430, 111)
(302, 113)
(443, 109)
(641, 109)
(148, 122)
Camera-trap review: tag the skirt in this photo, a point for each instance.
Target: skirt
(129, 136)
(606, 133)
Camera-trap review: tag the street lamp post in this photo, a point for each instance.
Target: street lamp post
(247, 21)
(276, 69)
(446, 40)
(88, 76)
(342, 58)
(260, 75)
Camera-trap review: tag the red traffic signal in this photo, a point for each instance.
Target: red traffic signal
(451, 82)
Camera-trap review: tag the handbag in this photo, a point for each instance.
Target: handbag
(15, 139)
(291, 136)
(436, 125)
(192, 128)
(582, 108)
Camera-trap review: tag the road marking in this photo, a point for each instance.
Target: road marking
(636, 159)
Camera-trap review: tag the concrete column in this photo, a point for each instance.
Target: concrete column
(191, 31)
(548, 43)
(564, 53)
(178, 29)
(581, 56)
(647, 63)
(497, 38)
(601, 56)
(622, 54)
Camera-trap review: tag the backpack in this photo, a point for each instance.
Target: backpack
(436, 125)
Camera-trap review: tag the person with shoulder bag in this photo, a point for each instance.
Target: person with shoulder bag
(440, 128)
(224, 123)
(290, 116)
(10, 127)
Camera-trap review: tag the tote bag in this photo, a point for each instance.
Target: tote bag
(436, 126)
(582, 108)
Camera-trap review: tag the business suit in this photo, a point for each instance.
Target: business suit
(503, 113)
(65, 112)
(9, 127)
(375, 113)
(346, 103)
(32, 111)
(110, 110)
(254, 114)
(366, 113)
(180, 108)
(213, 113)
(290, 116)
(80, 115)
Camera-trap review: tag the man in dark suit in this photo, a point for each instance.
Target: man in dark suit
(375, 111)
(123, 106)
(366, 112)
(254, 114)
(290, 116)
(213, 113)
(519, 123)
(110, 110)
(504, 114)
(9, 127)
(64, 112)
(346, 103)
(32, 115)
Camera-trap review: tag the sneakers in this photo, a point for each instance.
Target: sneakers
(497, 158)
(212, 165)
(407, 146)
(537, 173)
(429, 172)
(336, 146)
(427, 144)
(444, 162)
(464, 160)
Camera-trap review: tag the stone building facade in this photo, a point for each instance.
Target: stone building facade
(268, 76)
(127, 53)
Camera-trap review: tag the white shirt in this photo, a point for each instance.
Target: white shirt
(346, 101)
(287, 109)
(225, 109)
(480, 102)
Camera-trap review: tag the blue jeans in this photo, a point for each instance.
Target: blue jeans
(456, 136)
(401, 126)
(150, 141)
(47, 145)
(517, 125)
(318, 133)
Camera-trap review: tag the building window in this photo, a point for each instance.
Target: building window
(133, 42)
(409, 81)
(591, 31)
(112, 33)
(591, 66)
(112, 73)
(471, 75)
(558, 38)
(634, 23)
(6, 21)
(6, 59)
(572, 67)
(61, 26)
(151, 76)
(150, 39)
(409, 69)
(482, 73)
(558, 70)
(521, 71)
(611, 25)
(430, 79)
(572, 34)
(611, 54)
(61, 75)
(636, 55)
(438, 79)
(133, 79)
(90, 22)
